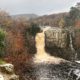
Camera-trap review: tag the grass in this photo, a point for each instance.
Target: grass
(2, 62)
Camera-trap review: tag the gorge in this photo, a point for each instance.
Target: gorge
(47, 67)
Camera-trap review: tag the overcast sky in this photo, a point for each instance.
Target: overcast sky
(39, 7)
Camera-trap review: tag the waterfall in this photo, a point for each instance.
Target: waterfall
(42, 55)
(72, 48)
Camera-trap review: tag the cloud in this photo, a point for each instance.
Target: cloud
(36, 6)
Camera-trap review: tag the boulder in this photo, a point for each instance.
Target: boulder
(7, 72)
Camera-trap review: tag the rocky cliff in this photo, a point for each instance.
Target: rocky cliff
(59, 42)
(7, 72)
(56, 37)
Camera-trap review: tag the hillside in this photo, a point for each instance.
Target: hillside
(52, 19)
(26, 16)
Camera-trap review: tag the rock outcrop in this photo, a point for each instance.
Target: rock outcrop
(7, 72)
(56, 37)
(59, 42)
(62, 71)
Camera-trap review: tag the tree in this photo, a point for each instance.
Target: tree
(61, 23)
(5, 19)
(78, 5)
(34, 29)
(73, 16)
(2, 42)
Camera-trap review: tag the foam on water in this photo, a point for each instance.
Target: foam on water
(77, 61)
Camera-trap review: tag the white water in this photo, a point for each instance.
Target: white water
(41, 56)
(1, 77)
(72, 48)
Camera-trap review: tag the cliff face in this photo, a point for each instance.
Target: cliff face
(7, 72)
(56, 37)
(59, 43)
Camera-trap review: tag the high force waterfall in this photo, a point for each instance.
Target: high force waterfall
(42, 55)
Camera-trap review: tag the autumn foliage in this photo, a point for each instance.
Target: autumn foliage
(20, 34)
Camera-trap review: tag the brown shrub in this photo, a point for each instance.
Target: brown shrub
(20, 62)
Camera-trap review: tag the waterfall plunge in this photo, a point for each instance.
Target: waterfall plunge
(72, 48)
(41, 56)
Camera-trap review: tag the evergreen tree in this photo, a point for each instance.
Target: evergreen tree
(2, 42)
(73, 16)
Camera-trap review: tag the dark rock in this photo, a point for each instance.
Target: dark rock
(63, 71)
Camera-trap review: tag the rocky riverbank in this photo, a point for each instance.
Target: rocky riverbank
(7, 72)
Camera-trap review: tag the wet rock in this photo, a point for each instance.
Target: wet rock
(7, 72)
(62, 71)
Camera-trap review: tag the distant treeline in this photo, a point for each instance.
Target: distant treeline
(66, 19)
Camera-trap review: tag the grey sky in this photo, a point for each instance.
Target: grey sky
(36, 6)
